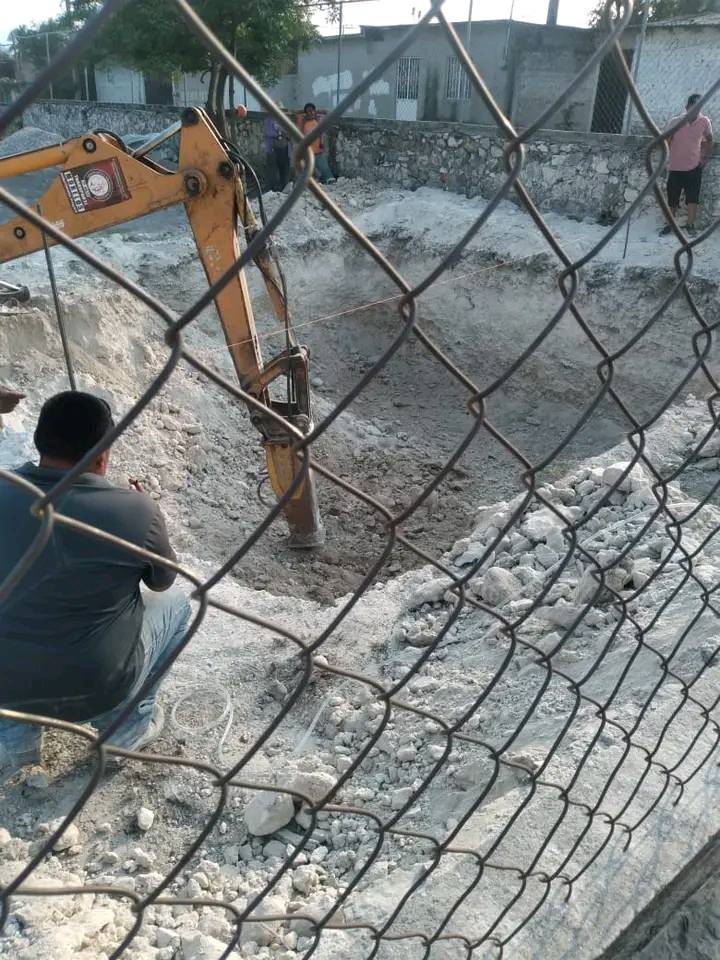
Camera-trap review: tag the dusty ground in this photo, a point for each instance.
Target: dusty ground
(197, 453)
(408, 421)
(694, 931)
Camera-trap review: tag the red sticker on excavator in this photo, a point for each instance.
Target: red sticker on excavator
(95, 185)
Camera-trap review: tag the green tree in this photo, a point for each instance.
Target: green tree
(152, 36)
(659, 10)
(34, 46)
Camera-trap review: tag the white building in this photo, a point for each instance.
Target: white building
(680, 56)
(190, 90)
(117, 84)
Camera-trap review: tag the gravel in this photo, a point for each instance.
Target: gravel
(26, 139)
(198, 461)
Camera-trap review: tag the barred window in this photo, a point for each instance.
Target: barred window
(408, 78)
(458, 82)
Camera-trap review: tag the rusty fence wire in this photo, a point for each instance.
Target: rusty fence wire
(579, 847)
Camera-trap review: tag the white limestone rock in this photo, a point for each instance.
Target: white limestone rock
(268, 812)
(499, 586)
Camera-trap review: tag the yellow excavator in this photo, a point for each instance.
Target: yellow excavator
(102, 183)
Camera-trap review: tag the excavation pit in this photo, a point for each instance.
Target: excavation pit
(527, 733)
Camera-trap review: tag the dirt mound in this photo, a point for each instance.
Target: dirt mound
(511, 718)
(26, 139)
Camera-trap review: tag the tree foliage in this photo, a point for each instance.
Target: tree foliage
(152, 36)
(659, 10)
(32, 44)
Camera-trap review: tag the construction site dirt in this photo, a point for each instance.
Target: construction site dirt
(197, 455)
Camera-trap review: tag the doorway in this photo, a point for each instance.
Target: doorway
(407, 88)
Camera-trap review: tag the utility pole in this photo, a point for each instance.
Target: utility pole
(47, 52)
(339, 52)
(636, 60)
(628, 118)
(506, 52)
(468, 37)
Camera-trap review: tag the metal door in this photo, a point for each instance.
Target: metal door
(407, 88)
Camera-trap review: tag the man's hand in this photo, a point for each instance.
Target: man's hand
(9, 399)
(135, 485)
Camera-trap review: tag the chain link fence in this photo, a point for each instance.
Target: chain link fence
(522, 855)
(669, 57)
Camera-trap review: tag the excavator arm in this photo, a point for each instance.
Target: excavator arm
(102, 184)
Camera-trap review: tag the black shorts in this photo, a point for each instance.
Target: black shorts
(687, 181)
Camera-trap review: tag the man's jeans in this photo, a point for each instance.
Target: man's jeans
(165, 623)
(322, 168)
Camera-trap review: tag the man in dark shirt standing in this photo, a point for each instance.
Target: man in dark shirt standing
(76, 639)
(277, 153)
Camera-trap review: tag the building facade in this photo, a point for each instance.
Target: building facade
(526, 68)
(524, 65)
(117, 84)
(679, 57)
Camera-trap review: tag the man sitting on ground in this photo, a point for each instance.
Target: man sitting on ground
(77, 641)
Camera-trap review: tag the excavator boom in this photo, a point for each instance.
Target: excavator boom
(102, 183)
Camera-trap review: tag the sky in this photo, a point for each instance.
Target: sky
(574, 12)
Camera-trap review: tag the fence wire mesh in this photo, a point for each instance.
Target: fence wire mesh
(513, 863)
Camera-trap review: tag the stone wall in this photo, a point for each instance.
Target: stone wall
(577, 174)
(574, 173)
(70, 118)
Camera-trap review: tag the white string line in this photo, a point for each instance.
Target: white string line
(363, 306)
(574, 241)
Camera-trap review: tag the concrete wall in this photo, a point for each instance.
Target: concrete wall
(540, 62)
(317, 72)
(526, 67)
(578, 174)
(676, 62)
(541, 73)
(117, 84)
(190, 90)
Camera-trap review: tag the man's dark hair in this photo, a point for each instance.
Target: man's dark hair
(70, 424)
(692, 100)
(309, 106)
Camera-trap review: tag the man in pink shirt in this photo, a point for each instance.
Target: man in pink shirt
(690, 149)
